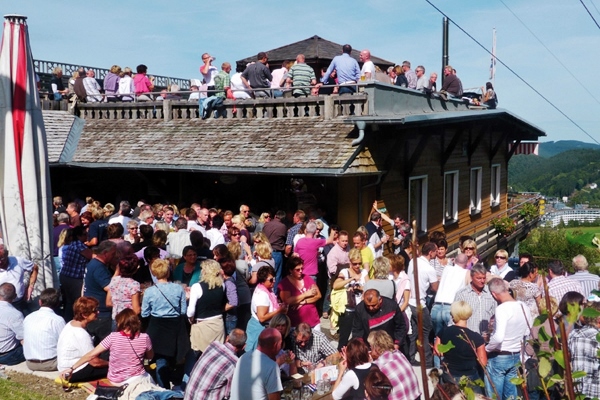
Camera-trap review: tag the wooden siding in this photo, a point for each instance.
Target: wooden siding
(394, 190)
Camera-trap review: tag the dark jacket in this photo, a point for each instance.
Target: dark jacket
(388, 318)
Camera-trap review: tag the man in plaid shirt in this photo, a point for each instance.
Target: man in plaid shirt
(584, 347)
(212, 375)
(310, 346)
(394, 365)
(559, 284)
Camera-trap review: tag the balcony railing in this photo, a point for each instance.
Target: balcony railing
(487, 237)
(46, 67)
(373, 99)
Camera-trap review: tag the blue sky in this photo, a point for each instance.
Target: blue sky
(169, 37)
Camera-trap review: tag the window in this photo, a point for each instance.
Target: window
(495, 186)
(417, 201)
(475, 190)
(450, 197)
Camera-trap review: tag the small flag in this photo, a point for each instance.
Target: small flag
(493, 60)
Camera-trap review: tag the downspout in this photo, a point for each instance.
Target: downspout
(361, 125)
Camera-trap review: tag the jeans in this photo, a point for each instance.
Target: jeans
(278, 258)
(163, 372)
(346, 89)
(412, 351)
(70, 289)
(13, 357)
(230, 323)
(501, 369)
(440, 316)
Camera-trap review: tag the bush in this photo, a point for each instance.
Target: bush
(548, 244)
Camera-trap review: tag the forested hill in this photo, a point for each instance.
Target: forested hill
(549, 149)
(560, 175)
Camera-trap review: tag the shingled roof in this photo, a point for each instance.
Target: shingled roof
(316, 50)
(309, 146)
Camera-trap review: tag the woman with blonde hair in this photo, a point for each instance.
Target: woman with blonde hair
(262, 220)
(126, 88)
(469, 248)
(111, 83)
(461, 360)
(263, 255)
(501, 268)
(381, 281)
(351, 278)
(206, 307)
(165, 304)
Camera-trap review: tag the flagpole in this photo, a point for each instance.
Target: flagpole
(493, 62)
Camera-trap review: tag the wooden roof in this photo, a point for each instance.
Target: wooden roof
(316, 50)
(258, 146)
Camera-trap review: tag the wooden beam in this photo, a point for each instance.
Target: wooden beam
(473, 144)
(447, 151)
(410, 160)
(495, 147)
(513, 149)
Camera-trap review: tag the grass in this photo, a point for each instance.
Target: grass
(586, 236)
(10, 390)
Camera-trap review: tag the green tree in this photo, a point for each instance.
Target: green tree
(551, 244)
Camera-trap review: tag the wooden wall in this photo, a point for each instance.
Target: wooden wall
(405, 153)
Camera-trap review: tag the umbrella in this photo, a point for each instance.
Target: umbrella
(25, 207)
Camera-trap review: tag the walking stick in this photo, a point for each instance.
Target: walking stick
(420, 339)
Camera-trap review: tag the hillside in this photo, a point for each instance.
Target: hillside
(549, 149)
(560, 175)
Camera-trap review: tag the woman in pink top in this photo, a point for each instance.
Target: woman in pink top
(300, 293)
(143, 84)
(128, 348)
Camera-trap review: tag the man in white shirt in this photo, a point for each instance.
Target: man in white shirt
(124, 215)
(214, 233)
(368, 68)
(453, 279)
(41, 330)
(427, 280)
(12, 270)
(257, 375)
(513, 320)
(422, 80)
(177, 240)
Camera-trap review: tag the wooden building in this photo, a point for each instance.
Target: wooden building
(318, 53)
(439, 162)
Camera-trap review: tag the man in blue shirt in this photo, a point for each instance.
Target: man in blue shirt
(97, 279)
(347, 69)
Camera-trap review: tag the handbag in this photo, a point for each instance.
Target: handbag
(110, 392)
(351, 298)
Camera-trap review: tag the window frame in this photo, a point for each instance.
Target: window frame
(475, 201)
(422, 224)
(495, 185)
(454, 217)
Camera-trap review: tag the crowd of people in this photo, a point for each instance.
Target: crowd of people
(226, 304)
(257, 80)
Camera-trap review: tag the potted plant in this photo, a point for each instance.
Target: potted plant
(528, 212)
(503, 226)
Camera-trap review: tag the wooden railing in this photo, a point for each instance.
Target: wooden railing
(486, 236)
(326, 107)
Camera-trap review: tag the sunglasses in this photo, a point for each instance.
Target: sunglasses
(501, 257)
(469, 248)
(271, 280)
(298, 269)
(235, 234)
(356, 263)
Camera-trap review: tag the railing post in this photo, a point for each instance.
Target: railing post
(167, 106)
(328, 105)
